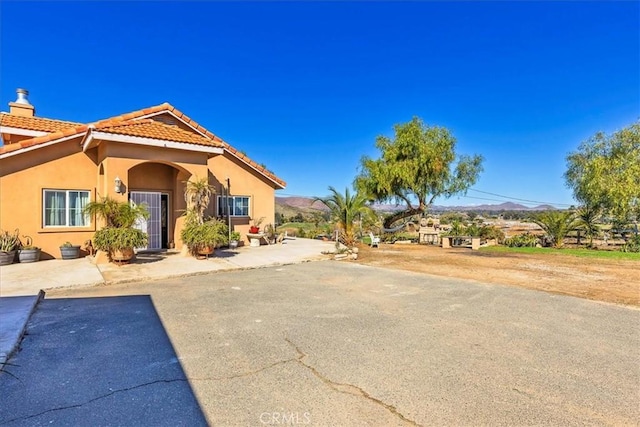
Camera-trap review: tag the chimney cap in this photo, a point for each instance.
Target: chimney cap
(22, 96)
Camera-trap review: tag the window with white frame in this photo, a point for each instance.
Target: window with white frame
(237, 205)
(63, 208)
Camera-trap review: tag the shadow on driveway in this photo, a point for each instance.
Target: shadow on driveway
(97, 361)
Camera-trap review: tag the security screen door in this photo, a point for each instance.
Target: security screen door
(152, 225)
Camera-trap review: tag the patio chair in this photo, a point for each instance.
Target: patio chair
(375, 240)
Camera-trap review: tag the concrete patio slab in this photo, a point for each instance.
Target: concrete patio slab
(29, 279)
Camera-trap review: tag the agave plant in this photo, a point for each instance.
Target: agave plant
(9, 242)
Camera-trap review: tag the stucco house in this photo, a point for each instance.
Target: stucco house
(50, 169)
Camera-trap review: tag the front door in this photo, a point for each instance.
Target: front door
(164, 219)
(153, 225)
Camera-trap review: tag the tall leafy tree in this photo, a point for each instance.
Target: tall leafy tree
(415, 167)
(605, 172)
(345, 208)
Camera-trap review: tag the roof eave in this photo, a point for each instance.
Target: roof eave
(92, 139)
(37, 146)
(20, 131)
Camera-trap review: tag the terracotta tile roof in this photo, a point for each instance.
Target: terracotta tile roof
(166, 107)
(155, 130)
(77, 131)
(34, 123)
(148, 128)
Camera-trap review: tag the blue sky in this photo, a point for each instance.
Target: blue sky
(305, 87)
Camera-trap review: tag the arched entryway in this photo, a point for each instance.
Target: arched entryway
(160, 186)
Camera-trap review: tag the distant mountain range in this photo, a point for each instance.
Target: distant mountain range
(304, 203)
(308, 204)
(506, 206)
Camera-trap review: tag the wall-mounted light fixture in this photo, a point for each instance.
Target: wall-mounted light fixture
(118, 185)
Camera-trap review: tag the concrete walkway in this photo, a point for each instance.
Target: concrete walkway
(20, 284)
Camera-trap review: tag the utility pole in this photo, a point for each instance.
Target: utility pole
(228, 210)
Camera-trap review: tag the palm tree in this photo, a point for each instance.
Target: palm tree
(116, 214)
(588, 218)
(344, 209)
(197, 194)
(556, 225)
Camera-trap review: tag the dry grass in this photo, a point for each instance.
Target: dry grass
(609, 280)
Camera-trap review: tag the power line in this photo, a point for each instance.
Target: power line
(508, 198)
(519, 199)
(485, 198)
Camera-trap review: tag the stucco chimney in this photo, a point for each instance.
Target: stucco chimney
(22, 107)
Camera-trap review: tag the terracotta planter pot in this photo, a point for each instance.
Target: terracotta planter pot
(122, 255)
(7, 258)
(205, 251)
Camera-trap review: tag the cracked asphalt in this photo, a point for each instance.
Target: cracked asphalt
(96, 361)
(328, 344)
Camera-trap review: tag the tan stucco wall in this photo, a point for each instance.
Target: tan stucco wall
(64, 166)
(120, 159)
(22, 180)
(243, 183)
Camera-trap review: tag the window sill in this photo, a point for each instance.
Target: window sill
(66, 230)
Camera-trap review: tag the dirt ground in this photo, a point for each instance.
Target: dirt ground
(616, 281)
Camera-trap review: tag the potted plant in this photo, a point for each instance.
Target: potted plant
(119, 242)
(234, 239)
(270, 233)
(255, 225)
(28, 252)
(199, 235)
(201, 239)
(69, 250)
(118, 238)
(8, 245)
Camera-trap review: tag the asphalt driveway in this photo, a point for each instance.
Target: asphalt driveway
(330, 343)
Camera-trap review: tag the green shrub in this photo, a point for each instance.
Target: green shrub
(457, 229)
(111, 239)
(472, 230)
(522, 240)
(491, 232)
(209, 233)
(632, 245)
